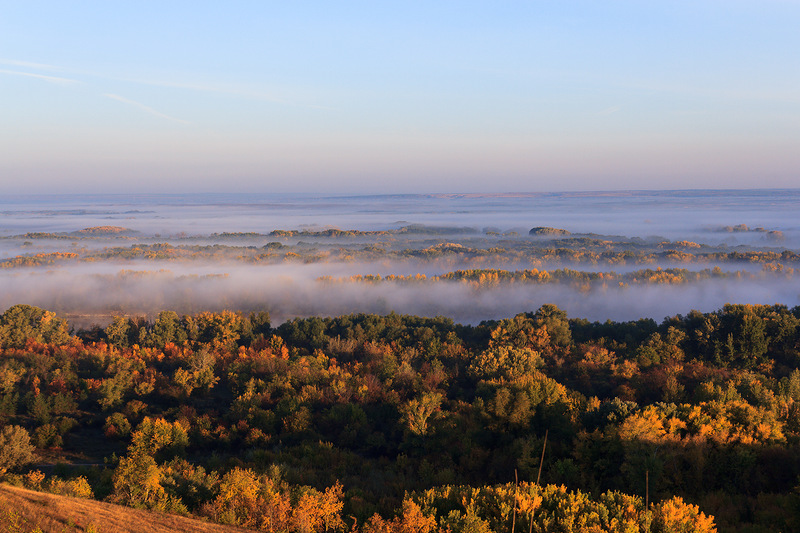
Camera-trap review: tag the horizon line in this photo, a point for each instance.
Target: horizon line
(442, 194)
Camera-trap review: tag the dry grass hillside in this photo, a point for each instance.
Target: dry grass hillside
(23, 511)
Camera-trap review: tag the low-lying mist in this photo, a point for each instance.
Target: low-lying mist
(89, 258)
(90, 294)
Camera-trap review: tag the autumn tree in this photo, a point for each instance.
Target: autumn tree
(504, 362)
(138, 479)
(418, 411)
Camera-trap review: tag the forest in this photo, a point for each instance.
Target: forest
(398, 423)
(443, 368)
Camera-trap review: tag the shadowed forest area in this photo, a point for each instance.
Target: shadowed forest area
(366, 422)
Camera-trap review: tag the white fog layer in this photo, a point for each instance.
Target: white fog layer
(195, 253)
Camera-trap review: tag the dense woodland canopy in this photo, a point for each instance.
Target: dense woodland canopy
(404, 423)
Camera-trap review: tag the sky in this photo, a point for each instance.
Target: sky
(398, 97)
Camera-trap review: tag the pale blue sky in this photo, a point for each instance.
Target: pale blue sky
(389, 97)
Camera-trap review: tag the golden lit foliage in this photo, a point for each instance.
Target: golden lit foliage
(505, 363)
(418, 411)
(554, 508)
(259, 502)
(675, 516)
(411, 520)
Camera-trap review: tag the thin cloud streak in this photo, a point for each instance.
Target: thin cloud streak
(207, 88)
(146, 109)
(29, 64)
(50, 79)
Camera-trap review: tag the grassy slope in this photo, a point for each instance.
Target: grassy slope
(24, 510)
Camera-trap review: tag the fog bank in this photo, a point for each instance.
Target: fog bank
(90, 294)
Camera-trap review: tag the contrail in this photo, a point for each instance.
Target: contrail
(144, 108)
(50, 79)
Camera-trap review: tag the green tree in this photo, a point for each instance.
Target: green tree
(256, 327)
(22, 322)
(556, 322)
(120, 331)
(167, 328)
(742, 339)
(16, 449)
